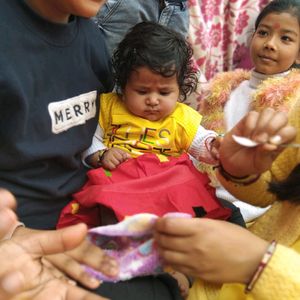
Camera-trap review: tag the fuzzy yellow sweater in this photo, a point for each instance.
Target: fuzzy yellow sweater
(281, 278)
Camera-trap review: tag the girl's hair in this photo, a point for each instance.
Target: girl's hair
(279, 6)
(158, 48)
(288, 189)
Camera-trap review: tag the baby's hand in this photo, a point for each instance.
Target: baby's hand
(215, 145)
(113, 157)
(183, 283)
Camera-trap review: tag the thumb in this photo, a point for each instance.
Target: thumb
(55, 241)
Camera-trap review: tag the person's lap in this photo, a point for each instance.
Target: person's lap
(162, 287)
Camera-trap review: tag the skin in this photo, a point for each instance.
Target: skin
(193, 246)
(275, 44)
(150, 95)
(24, 274)
(7, 216)
(59, 11)
(70, 262)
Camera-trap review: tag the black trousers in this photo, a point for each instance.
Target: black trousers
(161, 287)
(236, 216)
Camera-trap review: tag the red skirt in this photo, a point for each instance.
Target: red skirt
(143, 185)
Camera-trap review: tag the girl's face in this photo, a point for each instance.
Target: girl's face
(150, 95)
(275, 44)
(59, 11)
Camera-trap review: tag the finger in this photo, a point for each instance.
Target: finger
(7, 199)
(246, 125)
(177, 226)
(171, 257)
(268, 124)
(7, 221)
(76, 271)
(55, 241)
(97, 258)
(286, 135)
(172, 243)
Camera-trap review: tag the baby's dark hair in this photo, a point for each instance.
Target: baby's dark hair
(279, 6)
(288, 189)
(158, 48)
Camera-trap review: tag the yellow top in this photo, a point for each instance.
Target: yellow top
(281, 277)
(171, 136)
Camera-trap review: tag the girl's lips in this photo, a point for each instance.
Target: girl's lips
(266, 58)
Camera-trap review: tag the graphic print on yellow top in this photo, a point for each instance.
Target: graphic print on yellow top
(170, 136)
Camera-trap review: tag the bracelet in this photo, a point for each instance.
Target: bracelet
(265, 260)
(100, 156)
(245, 180)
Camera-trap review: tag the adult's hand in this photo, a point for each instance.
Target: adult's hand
(24, 274)
(268, 127)
(8, 218)
(70, 263)
(215, 251)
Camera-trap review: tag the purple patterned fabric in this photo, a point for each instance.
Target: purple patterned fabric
(131, 243)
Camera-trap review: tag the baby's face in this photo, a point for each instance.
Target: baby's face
(275, 44)
(60, 10)
(150, 95)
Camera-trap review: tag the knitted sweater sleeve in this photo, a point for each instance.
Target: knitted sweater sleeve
(281, 278)
(257, 192)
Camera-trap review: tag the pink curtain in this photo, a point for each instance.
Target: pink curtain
(220, 31)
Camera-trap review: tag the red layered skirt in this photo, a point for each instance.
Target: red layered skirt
(143, 185)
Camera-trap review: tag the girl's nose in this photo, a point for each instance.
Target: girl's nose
(152, 100)
(270, 44)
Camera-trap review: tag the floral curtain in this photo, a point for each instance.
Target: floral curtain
(220, 31)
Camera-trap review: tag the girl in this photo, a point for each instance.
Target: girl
(262, 262)
(272, 83)
(145, 121)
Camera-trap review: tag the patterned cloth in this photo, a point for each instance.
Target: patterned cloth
(130, 242)
(220, 31)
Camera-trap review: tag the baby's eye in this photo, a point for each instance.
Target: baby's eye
(141, 92)
(165, 93)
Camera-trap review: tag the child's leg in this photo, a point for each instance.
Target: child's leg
(236, 216)
(175, 15)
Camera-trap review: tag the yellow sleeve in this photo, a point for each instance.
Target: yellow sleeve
(189, 121)
(281, 277)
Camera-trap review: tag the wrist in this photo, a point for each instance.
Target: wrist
(100, 156)
(243, 180)
(261, 266)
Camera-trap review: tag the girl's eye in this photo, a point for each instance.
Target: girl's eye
(286, 38)
(262, 32)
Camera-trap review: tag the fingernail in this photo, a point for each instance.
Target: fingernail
(276, 139)
(94, 281)
(261, 138)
